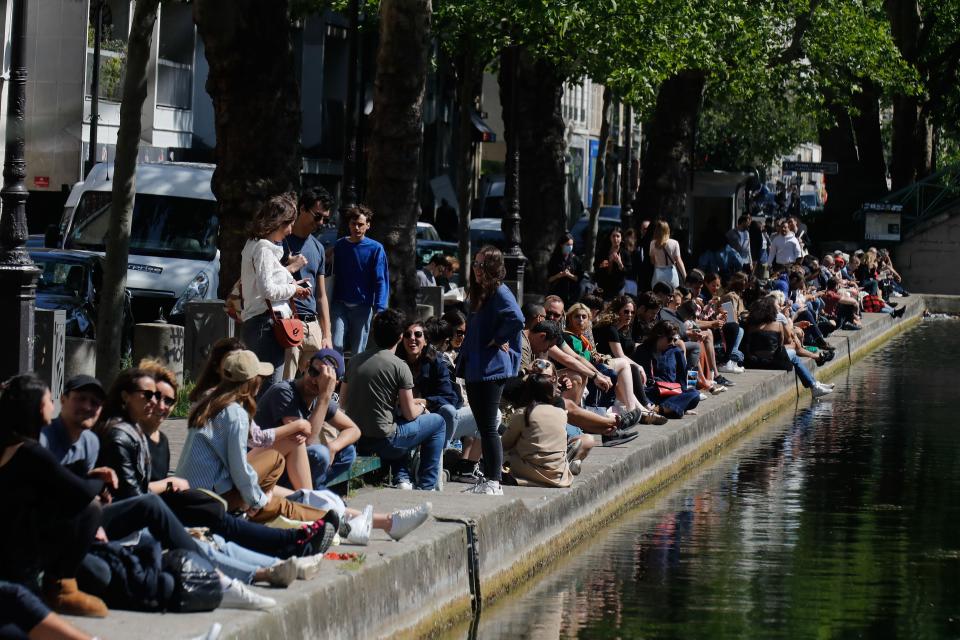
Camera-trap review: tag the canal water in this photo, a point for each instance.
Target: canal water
(839, 519)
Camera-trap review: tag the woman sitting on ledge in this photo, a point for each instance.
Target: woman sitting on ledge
(766, 346)
(535, 442)
(662, 357)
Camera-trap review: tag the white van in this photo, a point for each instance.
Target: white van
(173, 237)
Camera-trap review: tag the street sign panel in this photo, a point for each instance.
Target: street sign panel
(811, 167)
(883, 206)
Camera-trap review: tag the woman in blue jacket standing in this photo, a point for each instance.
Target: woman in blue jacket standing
(489, 356)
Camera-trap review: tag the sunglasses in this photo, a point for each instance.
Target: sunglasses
(149, 395)
(542, 365)
(167, 401)
(413, 334)
(312, 371)
(320, 217)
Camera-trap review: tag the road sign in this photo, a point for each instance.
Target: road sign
(811, 167)
(883, 206)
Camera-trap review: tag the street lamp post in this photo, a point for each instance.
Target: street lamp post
(95, 87)
(18, 274)
(514, 259)
(348, 193)
(626, 197)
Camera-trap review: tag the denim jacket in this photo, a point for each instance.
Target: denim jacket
(498, 321)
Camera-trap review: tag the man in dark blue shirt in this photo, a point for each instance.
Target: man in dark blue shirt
(306, 262)
(330, 445)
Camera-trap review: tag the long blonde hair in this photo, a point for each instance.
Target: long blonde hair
(661, 233)
(222, 396)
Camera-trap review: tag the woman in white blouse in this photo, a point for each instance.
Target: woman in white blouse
(266, 282)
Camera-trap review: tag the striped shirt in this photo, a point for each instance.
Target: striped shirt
(215, 457)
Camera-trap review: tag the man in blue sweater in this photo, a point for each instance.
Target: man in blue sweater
(361, 286)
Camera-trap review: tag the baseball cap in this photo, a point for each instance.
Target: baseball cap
(243, 365)
(331, 358)
(88, 383)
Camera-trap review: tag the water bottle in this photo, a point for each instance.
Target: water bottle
(691, 379)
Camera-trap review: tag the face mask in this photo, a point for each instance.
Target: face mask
(567, 249)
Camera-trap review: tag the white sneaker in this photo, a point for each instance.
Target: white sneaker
(405, 485)
(309, 566)
(283, 573)
(403, 521)
(702, 397)
(487, 488)
(238, 596)
(819, 390)
(731, 367)
(361, 526)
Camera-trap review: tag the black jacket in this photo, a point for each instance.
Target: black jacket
(123, 448)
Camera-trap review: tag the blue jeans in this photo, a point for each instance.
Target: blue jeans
(258, 337)
(235, 561)
(460, 423)
(806, 376)
(322, 469)
(733, 336)
(349, 323)
(427, 432)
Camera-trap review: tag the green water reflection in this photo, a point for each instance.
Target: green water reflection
(838, 520)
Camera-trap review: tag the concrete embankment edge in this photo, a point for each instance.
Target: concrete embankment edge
(421, 585)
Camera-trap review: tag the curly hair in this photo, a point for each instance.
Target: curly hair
(358, 210)
(276, 212)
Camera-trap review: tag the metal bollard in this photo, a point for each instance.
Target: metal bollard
(162, 342)
(204, 324)
(49, 350)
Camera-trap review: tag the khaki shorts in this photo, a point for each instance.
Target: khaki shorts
(296, 359)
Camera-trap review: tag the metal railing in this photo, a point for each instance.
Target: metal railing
(924, 199)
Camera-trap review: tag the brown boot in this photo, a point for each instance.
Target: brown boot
(63, 596)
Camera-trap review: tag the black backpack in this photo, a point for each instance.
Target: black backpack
(196, 586)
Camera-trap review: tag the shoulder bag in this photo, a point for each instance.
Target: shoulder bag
(664, 388)
(287, 331)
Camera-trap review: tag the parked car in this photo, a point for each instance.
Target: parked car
(173, 238)
(485, 231)
(490, 202)
(608, 218)
(71, 281)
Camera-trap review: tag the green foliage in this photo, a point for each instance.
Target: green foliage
(182, 408)
(736, 132)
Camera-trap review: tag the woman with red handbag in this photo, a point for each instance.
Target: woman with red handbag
(270, 324)
(661, 355)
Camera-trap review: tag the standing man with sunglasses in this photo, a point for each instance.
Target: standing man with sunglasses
(330, 445)
(306, 261)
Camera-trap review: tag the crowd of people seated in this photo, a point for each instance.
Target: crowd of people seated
(96, 503)
(499, 395)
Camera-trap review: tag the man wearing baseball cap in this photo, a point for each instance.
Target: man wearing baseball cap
(69, 437)
(330, 446)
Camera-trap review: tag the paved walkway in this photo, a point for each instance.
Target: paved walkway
(425, 580)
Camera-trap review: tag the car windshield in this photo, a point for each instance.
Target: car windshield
(427, 232)
(162, 225)
(61, 278)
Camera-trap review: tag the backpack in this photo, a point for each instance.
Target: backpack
(196, 586)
